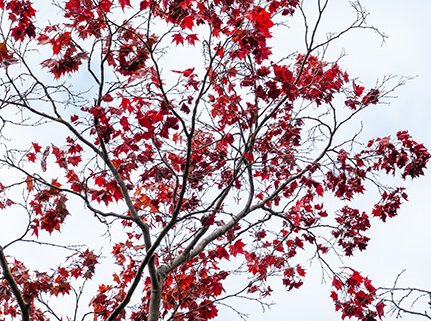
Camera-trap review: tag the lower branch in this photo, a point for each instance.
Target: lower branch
(14, 287)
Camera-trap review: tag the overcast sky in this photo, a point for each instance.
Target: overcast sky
(404, 242)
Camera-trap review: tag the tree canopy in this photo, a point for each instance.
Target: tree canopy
(159, 150)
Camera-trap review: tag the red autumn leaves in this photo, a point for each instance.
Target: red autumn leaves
(355, 296)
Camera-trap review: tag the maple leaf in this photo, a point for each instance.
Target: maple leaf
(105, 5)
(125, 123)
(262, 20)
(191, 39)
(107, 98)
(31, 157)
(221, 253)
(357, 90)
(237, 248)
(124, 4)
(337, 283)
(300, 270)
(178, 39)
(320, 190)
(188, 22)
(380, 308)
(186, 73)
(37, 148)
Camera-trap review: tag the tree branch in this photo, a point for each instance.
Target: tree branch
(24, 307)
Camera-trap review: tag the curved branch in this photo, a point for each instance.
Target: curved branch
(14, 287)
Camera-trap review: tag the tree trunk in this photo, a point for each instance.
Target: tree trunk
(156, 297)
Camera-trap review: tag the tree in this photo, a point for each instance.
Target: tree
(228, 164)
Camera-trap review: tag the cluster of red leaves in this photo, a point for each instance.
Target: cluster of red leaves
(21, 13)
(87, 20)
(318, 80)
(352, 224)
(405, 154)
(4, 200)
(129, 50)
(109, 296)
(381, 154)
(356, 297)
(34, 284)
(69, 59)
(372, 97)
(350, 178)
(189, 291)
(192, 289)
(87, 17)
(389, 204)
(131, 53)
(253, 41)
(49, 205)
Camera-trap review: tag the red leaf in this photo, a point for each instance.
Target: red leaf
(222, 253)
(105, 5)
(178, 39)
(249, 156)
(124, 3)
(337, 283)
(237, 248)
(188, 72)
(228, 138)
(187, 23)
(300, 270)
(37, 147)
(357, 90)
(107, 98)
(191, 39)
(380, 308)
(261, 20)
(125, 123)
(355, 279)
(31, 157)
(127, 105)
(319, 190)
